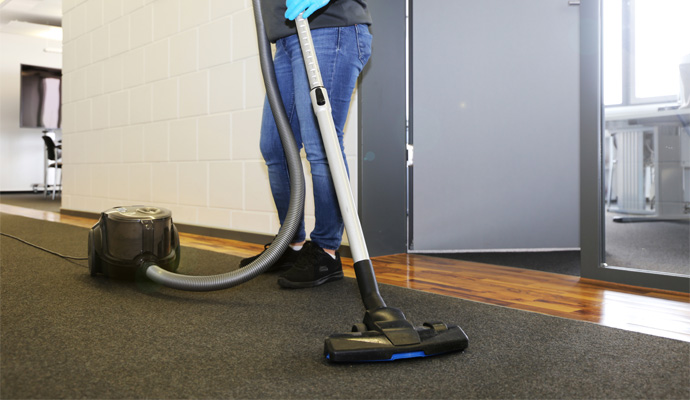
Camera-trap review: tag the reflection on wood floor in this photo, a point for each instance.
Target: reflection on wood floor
(655, 312)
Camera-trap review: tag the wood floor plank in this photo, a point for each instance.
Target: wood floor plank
(643, 310)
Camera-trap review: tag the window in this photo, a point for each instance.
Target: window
(643, 43)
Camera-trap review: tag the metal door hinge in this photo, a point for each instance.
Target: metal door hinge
(410, 155)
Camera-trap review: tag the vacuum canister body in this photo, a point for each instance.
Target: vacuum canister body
(127, 237)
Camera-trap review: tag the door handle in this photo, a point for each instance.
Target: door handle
(574, 3)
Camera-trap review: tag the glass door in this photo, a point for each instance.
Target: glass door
(635, 143)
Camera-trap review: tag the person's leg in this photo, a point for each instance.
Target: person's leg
(342, 53)
(272, 151)
(271, 144)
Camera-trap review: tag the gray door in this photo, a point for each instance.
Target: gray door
(494, 125)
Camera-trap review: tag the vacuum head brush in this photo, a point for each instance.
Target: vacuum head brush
(386, 335)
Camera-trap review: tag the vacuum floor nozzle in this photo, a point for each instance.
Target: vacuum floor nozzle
(386, 335)
(370, 346)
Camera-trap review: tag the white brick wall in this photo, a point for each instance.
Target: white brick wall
(162, 105)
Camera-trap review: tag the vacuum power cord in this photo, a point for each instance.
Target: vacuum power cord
(43, 248)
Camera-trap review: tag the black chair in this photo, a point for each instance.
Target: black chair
(52, 160)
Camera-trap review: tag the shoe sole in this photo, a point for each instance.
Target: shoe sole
(302, 285)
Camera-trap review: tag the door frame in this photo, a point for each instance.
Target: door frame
(382, 130)
(592, 237)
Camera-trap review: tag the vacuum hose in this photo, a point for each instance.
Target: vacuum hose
(296, 206)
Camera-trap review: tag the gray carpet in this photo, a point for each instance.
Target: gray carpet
(67, 335)
(662, 246)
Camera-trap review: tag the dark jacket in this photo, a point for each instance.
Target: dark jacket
(337, 13)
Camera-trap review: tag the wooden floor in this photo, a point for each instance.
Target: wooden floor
(654, 312)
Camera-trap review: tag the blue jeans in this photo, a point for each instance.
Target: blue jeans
(342, 54)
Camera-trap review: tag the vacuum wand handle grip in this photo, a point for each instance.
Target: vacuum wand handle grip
(308, 53)
(334, 153)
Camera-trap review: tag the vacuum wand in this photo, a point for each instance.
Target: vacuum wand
(322, 109)
(385, 333)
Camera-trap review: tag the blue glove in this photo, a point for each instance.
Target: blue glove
(295, 7)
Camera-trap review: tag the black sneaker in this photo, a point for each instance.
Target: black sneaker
(313, 267)
(285, 261)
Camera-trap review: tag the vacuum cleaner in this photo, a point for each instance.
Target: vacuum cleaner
(142, 241)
